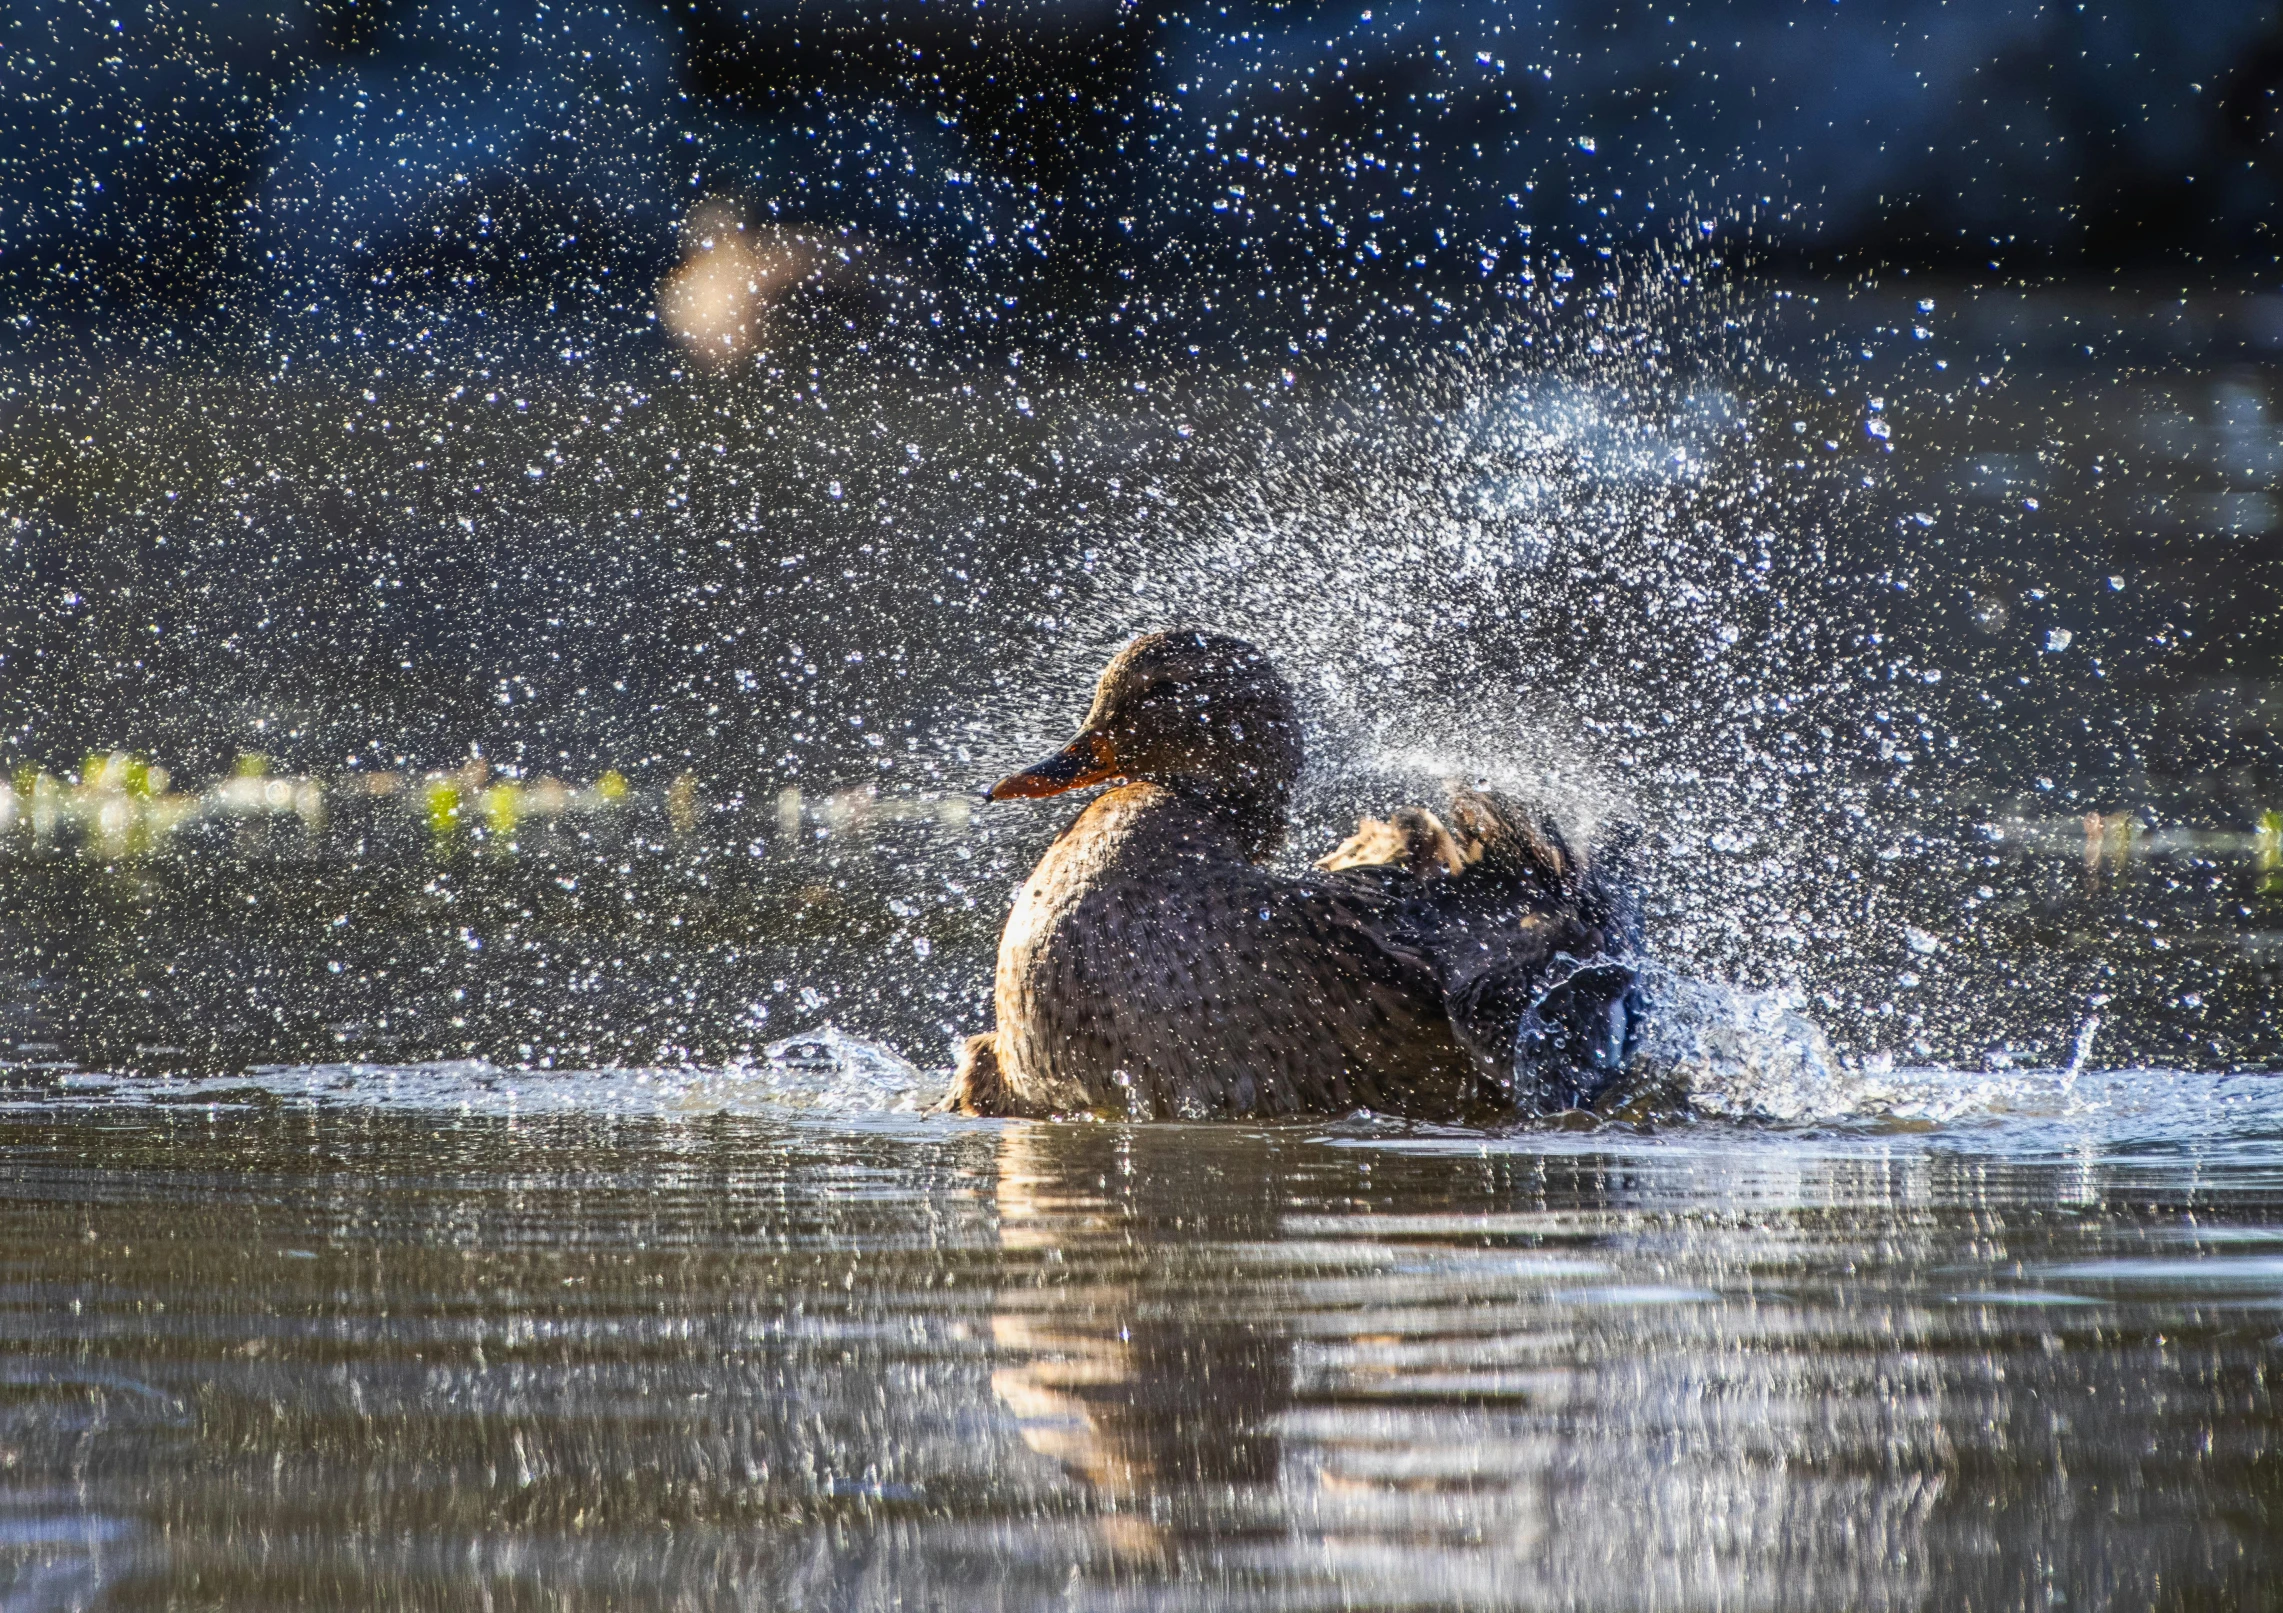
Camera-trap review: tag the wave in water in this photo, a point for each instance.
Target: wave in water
(825, 1071)
(1713, 1053)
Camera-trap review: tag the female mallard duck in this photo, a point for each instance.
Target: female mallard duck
(1154, 967)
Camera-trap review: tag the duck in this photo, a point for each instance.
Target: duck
(1459, 967)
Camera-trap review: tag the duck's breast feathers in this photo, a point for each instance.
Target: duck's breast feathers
(1178, 982)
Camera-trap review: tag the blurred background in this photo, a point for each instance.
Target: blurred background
(525, 523)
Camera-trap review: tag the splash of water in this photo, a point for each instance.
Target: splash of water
(2082, 1054)
(1559, 562)
(1735, 1053)
(1726, 1055)
(825, 1072)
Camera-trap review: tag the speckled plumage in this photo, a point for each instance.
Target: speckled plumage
(1151, 965)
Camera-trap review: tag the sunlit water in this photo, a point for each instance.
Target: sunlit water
(765, 1336)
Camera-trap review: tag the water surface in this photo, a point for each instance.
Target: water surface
(460, 1336)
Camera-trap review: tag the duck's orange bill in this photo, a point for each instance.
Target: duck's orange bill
(1085, 760)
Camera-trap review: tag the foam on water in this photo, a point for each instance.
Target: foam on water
(1721, 1055)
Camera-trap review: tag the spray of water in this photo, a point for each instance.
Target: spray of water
(1563, 557)
(1624, 543)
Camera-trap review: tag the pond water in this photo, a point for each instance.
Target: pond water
(454, 1335)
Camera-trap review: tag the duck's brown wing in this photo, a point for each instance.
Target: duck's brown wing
(1362, 972)
(1485, 945)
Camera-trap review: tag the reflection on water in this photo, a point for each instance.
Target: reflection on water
(265, 1352)
(1144, 1399)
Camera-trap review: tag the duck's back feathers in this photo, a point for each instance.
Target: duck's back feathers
(1150, 968)
(1410, 838)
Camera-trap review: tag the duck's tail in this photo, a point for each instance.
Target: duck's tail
(1538, 942)
(1516, 849)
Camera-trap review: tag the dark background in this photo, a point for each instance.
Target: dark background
(168, 165)
(234, 238)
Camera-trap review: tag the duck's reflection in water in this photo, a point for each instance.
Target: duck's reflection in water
(1245, 1403)
(1142, 1389)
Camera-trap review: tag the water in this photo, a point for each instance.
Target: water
(520, 543)
(455, 1335)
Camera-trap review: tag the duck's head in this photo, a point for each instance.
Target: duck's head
(1200, 713)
